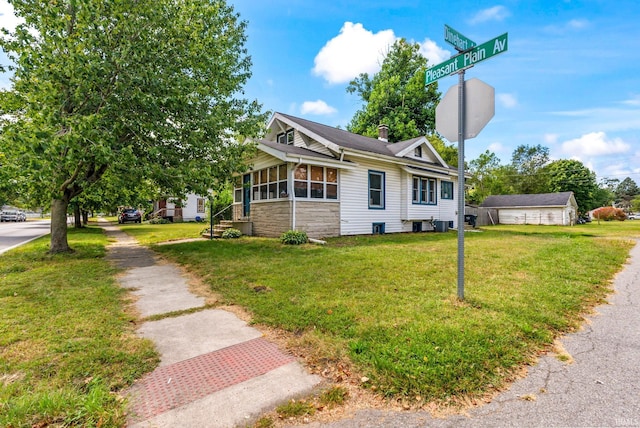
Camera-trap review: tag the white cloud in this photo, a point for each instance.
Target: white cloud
(434, 53)
(594, 144)
(572, 25)
(497, 148)
(355, 50)
(550, 138)
(317, 107)
(508, 100)
(577, 24)
(496, 13)
(633, 101)
(8, 19)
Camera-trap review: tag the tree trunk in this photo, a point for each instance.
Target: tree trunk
(85, 218)
(77, 216)
(59, 243)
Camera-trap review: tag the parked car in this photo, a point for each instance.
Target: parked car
(633, 216)
(22, 215)
(10, 215)
(130, 214)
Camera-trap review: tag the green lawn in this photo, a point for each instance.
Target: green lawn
(66, 345)
(389, 304)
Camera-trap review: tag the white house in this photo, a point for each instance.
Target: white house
(543, 208)
(329, 182)
(190, 209)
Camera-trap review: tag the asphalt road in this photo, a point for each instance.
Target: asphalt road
(600, 387)
(15, 234)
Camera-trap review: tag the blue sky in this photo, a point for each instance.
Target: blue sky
(569, 81)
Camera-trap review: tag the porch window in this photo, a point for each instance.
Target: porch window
(332, 183)
(301, 182)
(270, 183)
(315, 182)
(446, 190)
(376, 190)
(237, 189)
(424, 191)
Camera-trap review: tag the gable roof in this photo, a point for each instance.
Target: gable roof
(532, 200)
(336, 139)
(339, 136)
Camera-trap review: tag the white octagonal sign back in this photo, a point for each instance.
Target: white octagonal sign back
(479, 109)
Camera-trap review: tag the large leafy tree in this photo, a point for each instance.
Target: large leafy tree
(528, 162)
(396, 96)
(625, 192)
(566, 175)
(489, 177)
(151, 85)
(448, 152)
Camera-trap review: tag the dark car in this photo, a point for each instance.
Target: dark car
(130, 214)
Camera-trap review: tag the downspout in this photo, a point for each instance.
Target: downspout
(293, 195)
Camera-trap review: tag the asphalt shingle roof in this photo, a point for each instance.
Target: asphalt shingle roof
(534, 200)
(342, 137)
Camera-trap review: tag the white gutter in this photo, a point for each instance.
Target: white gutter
(293, 195)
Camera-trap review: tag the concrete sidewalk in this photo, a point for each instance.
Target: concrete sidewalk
(215, 371)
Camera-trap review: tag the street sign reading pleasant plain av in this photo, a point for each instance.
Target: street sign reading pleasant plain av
(464, 60)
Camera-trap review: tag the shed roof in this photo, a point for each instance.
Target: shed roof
(533, 200)
(294, 150)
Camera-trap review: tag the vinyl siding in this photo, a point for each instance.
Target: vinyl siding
(426, 155)
(355, 215)
(190, 208)
(264, 160)
(444, 210)
(313, 145)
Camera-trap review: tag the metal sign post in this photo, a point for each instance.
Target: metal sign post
(468, 55)
(461, 196)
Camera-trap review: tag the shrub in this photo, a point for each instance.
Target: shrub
(231, 233)
(294, 237)
(159, 220)
(609, 214)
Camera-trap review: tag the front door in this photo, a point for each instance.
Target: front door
(246, 195)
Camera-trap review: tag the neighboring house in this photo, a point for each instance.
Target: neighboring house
(189, 209)
(544, 208)
(329, 182)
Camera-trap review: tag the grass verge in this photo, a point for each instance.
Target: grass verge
(389, 304)
(66, 345)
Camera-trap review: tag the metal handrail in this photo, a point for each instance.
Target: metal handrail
(222, 210)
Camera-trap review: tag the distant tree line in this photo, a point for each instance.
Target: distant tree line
(532, 171)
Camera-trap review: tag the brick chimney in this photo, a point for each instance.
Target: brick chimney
(383, 133)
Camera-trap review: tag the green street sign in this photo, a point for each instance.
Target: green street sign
(460, 42)
(466, 59)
